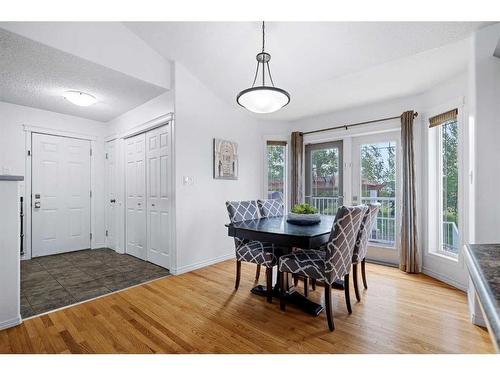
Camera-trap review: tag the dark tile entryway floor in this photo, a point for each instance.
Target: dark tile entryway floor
(55, 281)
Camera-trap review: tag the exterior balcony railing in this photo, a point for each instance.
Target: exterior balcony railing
(384, 232)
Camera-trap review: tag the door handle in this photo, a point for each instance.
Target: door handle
(38, 204)
(138, 204)
(113, 200)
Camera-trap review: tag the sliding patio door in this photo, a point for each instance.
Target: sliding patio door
(323, 172)
(376, 178)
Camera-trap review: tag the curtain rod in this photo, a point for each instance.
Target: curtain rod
(356, 124)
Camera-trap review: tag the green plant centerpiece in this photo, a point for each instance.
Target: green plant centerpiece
(303, 214)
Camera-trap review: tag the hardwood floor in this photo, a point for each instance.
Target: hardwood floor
(199, 312)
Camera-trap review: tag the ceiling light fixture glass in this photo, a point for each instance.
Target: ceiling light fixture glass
(80, 98)
(263, 99)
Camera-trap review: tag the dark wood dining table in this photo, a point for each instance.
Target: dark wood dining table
(286, 236)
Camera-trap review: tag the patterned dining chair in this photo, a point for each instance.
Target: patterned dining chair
(332, 264)
(260, 253)
(361, 247)
(269, 208)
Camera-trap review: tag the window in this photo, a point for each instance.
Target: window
(276, 169)
(378, 184)
(323, 168)
(449, 187)
(447, 142)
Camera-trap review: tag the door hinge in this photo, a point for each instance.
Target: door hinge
(29, 152)
(90, 152)
(106, 155)
(106, 233)
(90, 193)
(90, 236)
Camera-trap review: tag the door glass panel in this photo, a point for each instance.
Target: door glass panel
(324, 176)
(378, 184)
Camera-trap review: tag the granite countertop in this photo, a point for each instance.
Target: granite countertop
(8, 177)
(483, 262)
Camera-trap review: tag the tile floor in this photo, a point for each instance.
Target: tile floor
(55, 281)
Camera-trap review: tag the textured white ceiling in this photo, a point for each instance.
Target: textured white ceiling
(324, 65)
(35, 75)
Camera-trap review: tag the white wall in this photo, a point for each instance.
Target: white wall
(201, 214)
(485, 115)
(150, 110)
(12, 147)
(445, 94)
(110, 44)
(9, 255)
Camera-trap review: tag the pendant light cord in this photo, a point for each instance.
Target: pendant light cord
(263, 36)
(264, 64)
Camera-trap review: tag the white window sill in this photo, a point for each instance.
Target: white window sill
(443, 256)
(382, 245)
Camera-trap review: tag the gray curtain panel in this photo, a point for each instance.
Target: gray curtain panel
(408, 260)
(297, 190)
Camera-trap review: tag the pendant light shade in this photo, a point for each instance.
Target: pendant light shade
(263, 99)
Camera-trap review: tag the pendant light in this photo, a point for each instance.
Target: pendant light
(263, 99)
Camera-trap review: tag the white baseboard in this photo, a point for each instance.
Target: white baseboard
(99, 245)
(205, 263)
(444, 279)
(478, 319)
(11, 323)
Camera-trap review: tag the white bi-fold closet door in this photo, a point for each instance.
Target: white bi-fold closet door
(60, 194)
(148, 200)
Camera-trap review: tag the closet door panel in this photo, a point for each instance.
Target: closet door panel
(158, 226)
(136, 196)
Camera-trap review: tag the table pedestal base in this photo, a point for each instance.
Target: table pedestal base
(292, 297)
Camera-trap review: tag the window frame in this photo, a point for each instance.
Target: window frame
(435, 233)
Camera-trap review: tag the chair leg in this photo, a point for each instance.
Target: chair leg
(238, 274)
(295, 280)
(257, 273)
(313, 284)
(347, 296)
(282, 276)
(306, 286)
(328, 306)
(363, 274)
(269, 284)
(355, 280)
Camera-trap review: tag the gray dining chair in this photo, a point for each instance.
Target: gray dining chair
(332, 264)
(260, 253)
(269, 208)
(361, 246)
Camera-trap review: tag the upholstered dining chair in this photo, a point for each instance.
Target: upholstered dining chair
(260, 253)
(269, 208)
(361, 246)
(329, 265)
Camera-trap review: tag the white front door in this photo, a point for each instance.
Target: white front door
(111, 195)
(158, 222)
(60, 194)
(376, 178)
(136, 196)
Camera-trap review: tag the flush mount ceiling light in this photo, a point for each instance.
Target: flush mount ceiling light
(263, 99)
(79, 98)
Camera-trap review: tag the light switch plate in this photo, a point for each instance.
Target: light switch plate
(187, 180)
